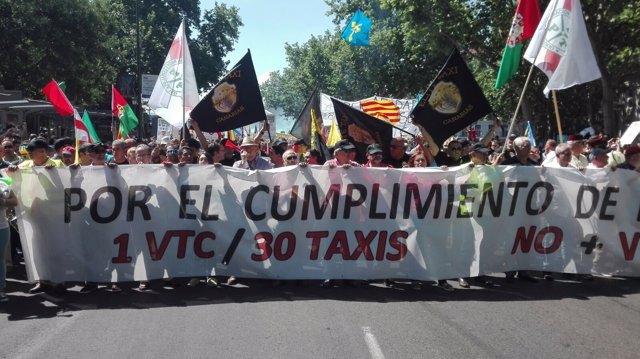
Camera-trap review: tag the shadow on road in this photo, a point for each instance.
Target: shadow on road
(22, 305)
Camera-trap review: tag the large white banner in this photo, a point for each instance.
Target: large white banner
(147, 221)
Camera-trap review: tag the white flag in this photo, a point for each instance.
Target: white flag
(81, 131)
(176, 80)
(561, 48)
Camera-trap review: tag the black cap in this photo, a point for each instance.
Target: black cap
(480, 148)
(37, 143)
(279, 142)
(192, 142)
(344, 145)
(374, 148)
(62, 142)
(97, 148)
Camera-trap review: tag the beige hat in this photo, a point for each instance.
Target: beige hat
(248, 141)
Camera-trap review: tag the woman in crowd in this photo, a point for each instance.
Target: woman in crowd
(417, 160)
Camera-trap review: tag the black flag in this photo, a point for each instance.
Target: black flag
(234, 102)
(308, 126)
(361, 129)
(452, 102)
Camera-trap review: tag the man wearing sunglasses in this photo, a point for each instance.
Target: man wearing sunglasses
(398, 155)
(290, 158)
(452, 156)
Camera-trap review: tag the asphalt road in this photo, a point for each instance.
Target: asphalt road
(254, 319)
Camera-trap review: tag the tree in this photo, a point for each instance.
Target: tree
(87, 43)
(411, 39)
(66, 40)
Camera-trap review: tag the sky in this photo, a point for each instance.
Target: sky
(269, 24)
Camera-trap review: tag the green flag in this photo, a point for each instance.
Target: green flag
(92, 132)
(121, 109)
(523, 27)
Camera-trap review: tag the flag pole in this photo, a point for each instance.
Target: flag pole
(184, 80)
(526, 84)
(555, 106)
(515, 114)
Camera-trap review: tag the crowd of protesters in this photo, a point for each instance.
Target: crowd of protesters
(254, 153)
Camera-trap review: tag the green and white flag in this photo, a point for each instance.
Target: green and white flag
(523, 27)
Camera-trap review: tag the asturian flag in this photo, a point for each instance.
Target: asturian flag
(356, 33)
(175, 93)
(561, 48)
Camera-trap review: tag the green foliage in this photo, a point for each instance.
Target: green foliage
(411, 39)
(88, 43)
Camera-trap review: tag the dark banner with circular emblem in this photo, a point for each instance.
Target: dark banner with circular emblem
(453, 101)
(361, 129)
(234, 102)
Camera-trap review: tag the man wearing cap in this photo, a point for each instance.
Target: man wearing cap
(632, 158)
(278, 148)
(374, 156)
(479, 155)
(598, 158)
(68, 155)
(59, 144)
(97, 153)
(249, 156)
(84, 159)
(37, 150)
(341, 153)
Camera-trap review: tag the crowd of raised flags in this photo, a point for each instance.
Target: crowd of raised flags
(559, 47)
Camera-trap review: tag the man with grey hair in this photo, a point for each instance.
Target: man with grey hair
(522, 147)
(250, 156)
(143, 154)
(119, 148)
(563, 157)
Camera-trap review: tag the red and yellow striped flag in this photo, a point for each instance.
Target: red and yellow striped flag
(383, 109)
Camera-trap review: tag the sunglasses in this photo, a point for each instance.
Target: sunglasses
(456, 148)
(292, 158)
(8, 146)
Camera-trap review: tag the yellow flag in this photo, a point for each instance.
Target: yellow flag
(334, 134)
(231, 135)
